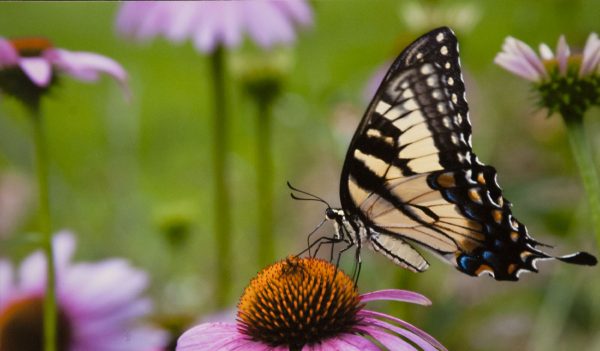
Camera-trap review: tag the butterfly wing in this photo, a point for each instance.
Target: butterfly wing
(410, 172)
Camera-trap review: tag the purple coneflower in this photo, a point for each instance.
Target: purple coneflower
(99, 304)
(39, 62)
(308, 304)
(28, 69)
(569, 84)
(210, 23)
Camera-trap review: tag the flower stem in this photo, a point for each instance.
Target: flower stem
(221, 206)
(583, 157)
(264, 184)
(41, 159)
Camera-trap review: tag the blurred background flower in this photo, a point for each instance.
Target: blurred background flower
(28, 66)
(212, 27)
(100, 305)
(210, 24)
(568, 84)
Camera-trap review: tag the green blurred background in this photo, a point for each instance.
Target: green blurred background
(126, 176)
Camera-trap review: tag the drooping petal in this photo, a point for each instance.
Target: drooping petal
(140, 338)
(231, 28)
(396, 295)
(414, 338)
(182, 21)
(204, 34)
(104, 323)
(8, 54)
(38, 69)
(98, 292)
(212, 23)
(391, 342)
(430, 339)
(32, 274)
(266, 25)
(591, 55)
(562, 54)
(346, 342)
(216, 337)
(86, 66)
(130, 16)
(64, 247)
(299, 11)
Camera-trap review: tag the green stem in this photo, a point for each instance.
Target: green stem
(50, 309)
(264, 184)
(221, 205)
(583, 157)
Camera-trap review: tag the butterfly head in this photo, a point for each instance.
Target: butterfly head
(334, 214)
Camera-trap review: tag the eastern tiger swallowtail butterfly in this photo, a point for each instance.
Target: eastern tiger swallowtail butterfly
(411, 177)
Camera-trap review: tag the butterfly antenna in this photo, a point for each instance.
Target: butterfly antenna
(311, 197)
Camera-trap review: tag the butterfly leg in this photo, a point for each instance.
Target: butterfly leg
(357, 263)
(318, 242)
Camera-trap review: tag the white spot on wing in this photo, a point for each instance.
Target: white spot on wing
(444, 50)
(441, 107)
(426, 69)
(439, 37)
(382, 107)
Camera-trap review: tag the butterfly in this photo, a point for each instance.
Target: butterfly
(410, 176)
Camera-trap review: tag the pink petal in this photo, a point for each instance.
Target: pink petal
(346, 342)
(87, 65)
(182, 20)
(524, 52)
(38, 69)
(297, 10)
(141, 338)
(517, 66)
(426, 346)
(430, 339)
(266, 25)
(391, 342)
(155, 18)
(8, 55)
(32, 274)
(562, 54)
(216, 337)
(95, 284)
(100, 325)
(231, 30)
(591, 55)
(528, 54)
(64, 246)
(396, 295)
(207, 25)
